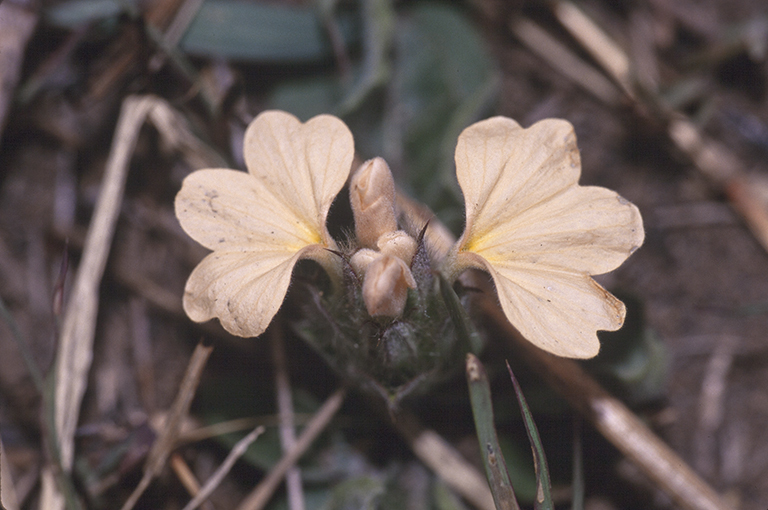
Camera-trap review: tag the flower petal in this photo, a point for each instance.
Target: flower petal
(231, 211)
(540, 235)
(244, 290)
(523, 201)
(559, 312)
(304, 166)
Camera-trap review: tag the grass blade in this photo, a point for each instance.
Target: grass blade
(493, 460)
(543, 485)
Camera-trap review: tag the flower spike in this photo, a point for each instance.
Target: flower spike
(260, 223)
(539, 234)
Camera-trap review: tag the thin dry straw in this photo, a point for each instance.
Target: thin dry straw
(237, 451)
(75, 351)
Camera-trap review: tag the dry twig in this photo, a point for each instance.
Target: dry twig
(237, 451)
(168, 438)
(76, 338)
(436, 453)
(260, 496)
(712, 159)
(8, 499)
(285, 411)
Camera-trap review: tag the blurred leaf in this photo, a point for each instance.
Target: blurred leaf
(543, 499)
(309, 97)
(75, 13)
(445, 80)
(378, 29)
(441, 80)
(261, 32)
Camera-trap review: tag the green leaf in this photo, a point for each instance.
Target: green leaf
(493, 458)
(543, 499)
(264, 32)
(465, 330)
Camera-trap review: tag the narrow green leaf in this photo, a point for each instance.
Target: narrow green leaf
(493, 459)
(465, 330)
(543, 499)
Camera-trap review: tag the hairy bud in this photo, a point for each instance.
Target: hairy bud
(397, 244)
(372, 195)
(385, 286)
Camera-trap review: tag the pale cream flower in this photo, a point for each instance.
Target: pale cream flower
(539, 234)
(260, 223)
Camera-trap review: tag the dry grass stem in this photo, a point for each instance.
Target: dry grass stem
(443, 459)
(76, 338)
(237, 451)
(75, 351)
(285, 412)
(453, 469)
(713, 159)
(184, 474)
(8, 499)
(168, 438)
(584, 30)
(237, 425)
(563, 60)
(177, 135)
(261, 495)
(187, 478)
(712, 405)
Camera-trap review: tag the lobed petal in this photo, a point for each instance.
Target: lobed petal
(259, 224)
(540, 235)
(231, 211)
(244, 290)
(588, 230)
(504, 170)
(559, 312)
(303, 166)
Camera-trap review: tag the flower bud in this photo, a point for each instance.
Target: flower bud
(362, 259)
(372, 194)
(385, 287)
(397, 244)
